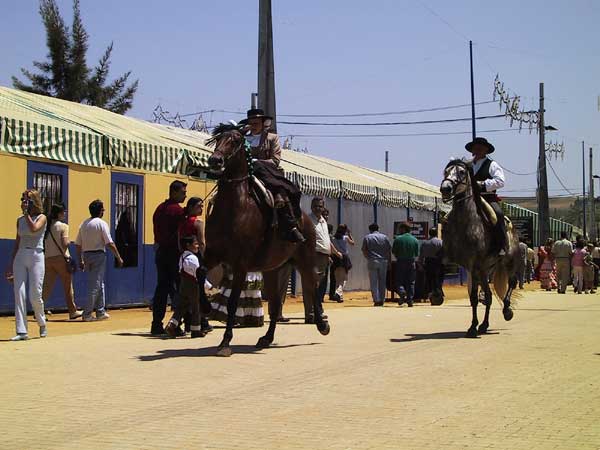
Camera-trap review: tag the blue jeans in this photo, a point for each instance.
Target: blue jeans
(377, 276)
(95, 266)
(406, 272)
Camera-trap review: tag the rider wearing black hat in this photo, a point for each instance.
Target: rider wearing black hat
(490, 177)
(265, 148)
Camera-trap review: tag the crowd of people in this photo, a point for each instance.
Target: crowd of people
(563, 263)
(41, 253)
(41, 256)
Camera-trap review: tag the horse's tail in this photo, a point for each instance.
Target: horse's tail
(500, 283)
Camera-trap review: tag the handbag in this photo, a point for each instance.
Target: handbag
(70, 262)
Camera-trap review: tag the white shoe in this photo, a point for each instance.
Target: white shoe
(76, 315)
(102, 316)
(43, 331)
(20, 337)
(88, 318)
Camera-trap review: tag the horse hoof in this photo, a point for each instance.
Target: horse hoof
(482, 329)
(264, 342)
(471, 333)
(324, 328)
(224, 351)
(508, 314)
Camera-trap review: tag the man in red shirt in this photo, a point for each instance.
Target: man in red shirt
(166, 220)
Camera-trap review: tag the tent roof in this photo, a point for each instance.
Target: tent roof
(36, 125)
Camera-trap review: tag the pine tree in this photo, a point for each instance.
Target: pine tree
(66, 74)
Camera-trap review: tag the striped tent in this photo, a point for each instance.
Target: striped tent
(45, 127)
(50, 142)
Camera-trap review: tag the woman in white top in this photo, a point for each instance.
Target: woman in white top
(341, 266)
(57, 253)
(28, 263)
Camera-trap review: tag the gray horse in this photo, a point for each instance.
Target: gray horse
(468, 241)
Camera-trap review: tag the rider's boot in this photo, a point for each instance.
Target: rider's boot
(501, 242)
(288, 225)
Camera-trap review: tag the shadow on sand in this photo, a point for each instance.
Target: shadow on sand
(212, 351)
(437, 336)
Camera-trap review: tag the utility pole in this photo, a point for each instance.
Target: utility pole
(472, 90)
(543, 207)
(583, 199)
(266, 66)
(592, 202)
(387, 160)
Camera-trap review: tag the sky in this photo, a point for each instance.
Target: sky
(349, 57)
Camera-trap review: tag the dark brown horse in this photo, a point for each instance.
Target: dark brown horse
(468, 241)
(240, 235)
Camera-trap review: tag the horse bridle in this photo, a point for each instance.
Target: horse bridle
(246, 146)
(455, 184)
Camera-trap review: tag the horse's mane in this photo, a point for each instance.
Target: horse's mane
(220, 129)
(467, 163)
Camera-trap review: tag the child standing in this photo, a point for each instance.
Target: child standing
(189, 289)
(577, 263)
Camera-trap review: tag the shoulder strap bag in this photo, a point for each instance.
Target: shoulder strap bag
(71, 266)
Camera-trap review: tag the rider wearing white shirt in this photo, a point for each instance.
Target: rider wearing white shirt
(490, 177)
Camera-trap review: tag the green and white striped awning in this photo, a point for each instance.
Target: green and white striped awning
(46, 127)
(50, 142)
(139, 155)
(359, 192)
(392, 198)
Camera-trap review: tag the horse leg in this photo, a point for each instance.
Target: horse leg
(271, 290)
(472, 331)
(507, 311)
(485, 286)
(239, 277)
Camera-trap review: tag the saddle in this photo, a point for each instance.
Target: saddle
(262, 196)
(490, 217)
(261, 193)
(488, 213)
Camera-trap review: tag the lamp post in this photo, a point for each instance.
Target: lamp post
(593, 206)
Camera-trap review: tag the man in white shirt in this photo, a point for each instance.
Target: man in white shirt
(92, 239)
(489, 177)
(324, 250)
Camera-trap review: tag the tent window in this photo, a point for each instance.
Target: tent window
(126, 223)
(49, 186)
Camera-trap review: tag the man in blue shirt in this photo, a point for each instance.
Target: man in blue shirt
(377, 249)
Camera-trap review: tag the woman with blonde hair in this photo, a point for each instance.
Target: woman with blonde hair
(27, 262)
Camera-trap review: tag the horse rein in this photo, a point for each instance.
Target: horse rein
(455, 184)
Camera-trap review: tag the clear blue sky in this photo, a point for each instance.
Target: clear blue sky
(355, 56)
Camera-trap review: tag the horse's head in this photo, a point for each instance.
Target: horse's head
(456, 179)
(229, 141)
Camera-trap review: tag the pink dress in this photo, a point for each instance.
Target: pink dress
(547, 270)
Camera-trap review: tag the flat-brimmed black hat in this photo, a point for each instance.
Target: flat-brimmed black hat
(255, 113)
(480, 141)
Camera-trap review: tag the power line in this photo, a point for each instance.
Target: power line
(520, 174)
(417, 122)
(448, 24)
(389, 113)
(443, 133)
(366, 114)
(559, 180)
